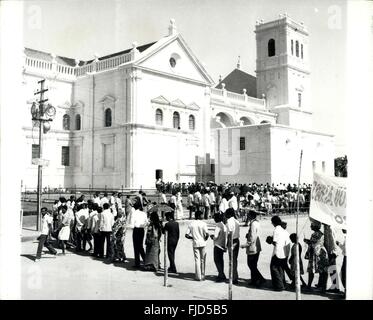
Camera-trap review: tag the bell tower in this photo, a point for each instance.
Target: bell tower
(282, 69)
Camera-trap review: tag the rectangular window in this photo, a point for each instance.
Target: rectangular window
(301, 51)
(299, 100)
(108, 156)
(242, 143)
(77, 156)
(65, 156)
(292, 47)
(35, 151)
(313, 165)
(323, 166)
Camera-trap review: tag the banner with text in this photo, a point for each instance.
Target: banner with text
(328, 200)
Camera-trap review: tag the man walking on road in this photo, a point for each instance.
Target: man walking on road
(46, 223)
(198, 232)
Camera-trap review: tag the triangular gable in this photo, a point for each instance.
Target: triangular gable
(157, 58)
(160, 100)
(178, 103)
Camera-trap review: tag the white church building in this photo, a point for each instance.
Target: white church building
(152, 111)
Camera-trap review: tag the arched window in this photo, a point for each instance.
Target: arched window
(271, 48)
(108, 117)
(176, 120)
(301, 51)
(192, 122)
(66, 122)
(159, 117)
(78, 122)
(292, 47)
(297, 48)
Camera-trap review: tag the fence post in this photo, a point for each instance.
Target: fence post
(230, 248)
(75, 190)
(165, 258)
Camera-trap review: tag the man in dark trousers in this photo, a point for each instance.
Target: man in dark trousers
(173, 232)
(46, 225)
(139, 222)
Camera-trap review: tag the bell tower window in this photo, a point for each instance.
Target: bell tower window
(271, 48)
(297, 48)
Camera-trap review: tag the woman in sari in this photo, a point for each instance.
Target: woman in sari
(118, 238)
(153, 237)
(317, 256)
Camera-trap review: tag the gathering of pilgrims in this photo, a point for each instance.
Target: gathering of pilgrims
(98, 226)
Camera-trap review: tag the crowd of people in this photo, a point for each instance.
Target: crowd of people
(74, 223)
(267, 198)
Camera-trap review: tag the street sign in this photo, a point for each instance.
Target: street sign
(40, 162)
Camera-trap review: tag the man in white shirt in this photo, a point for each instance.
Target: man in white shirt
(233, 228)
(104, 200)
(253, 249)
(139, 222)
(198, 232)
(223, 205)
(197, 200)
(232, 202)
(220, 246)
(281, 249)
(106, 228)
(96, 199)
(94, 227)
(46, 228)
(212, 198)
(81, 216)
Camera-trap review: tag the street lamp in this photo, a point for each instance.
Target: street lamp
(43, 114)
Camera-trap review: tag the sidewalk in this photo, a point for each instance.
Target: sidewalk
(28, 234)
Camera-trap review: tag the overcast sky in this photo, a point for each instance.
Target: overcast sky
(217, 31)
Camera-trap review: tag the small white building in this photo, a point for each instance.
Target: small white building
(153, 110)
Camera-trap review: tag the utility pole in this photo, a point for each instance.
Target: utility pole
(40, 168)
(297, 265)
(43, 114)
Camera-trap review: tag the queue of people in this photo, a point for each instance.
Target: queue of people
(105, 219)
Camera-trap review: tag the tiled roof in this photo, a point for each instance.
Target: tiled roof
(32, 53)
(238, 80)
(140, 48)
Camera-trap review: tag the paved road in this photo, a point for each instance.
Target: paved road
(83, 277)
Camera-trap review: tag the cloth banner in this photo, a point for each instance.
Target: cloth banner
(328, 200)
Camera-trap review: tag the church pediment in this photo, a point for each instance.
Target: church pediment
(172, 56)
(193, 106)
(160, 100)
(108, 100)
(178, 103)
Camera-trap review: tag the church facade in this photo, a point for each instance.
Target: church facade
(153, 111)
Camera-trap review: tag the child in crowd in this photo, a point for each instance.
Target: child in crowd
(292, 261)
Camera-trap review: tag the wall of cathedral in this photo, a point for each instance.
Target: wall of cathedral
(59, 94)
(270, 153)
(99, 156)
(286, 144)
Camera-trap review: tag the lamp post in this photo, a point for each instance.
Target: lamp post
(43, 114)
